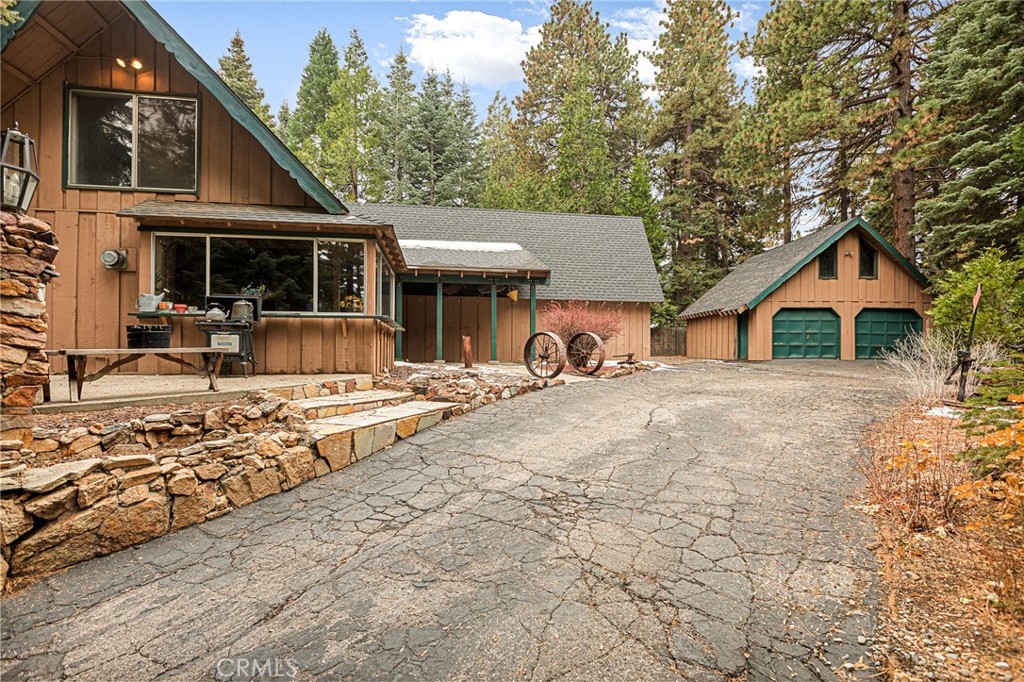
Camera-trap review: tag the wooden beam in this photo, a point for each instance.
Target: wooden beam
(96, 15)
(55, 32)
(21, 75)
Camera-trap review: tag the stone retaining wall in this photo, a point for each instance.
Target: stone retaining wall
(133, 482)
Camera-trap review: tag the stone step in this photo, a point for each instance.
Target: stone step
(348, 438)
(322, 407)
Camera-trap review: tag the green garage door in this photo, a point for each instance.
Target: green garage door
(878, 328)
(805, 333)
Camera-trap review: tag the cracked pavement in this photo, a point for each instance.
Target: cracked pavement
(681, 524)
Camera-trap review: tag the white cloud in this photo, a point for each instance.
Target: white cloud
(746, 69)
(747, 17)
(640, 23)
(642, 26)
(477, 47)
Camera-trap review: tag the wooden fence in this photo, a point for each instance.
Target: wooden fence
(668, 341)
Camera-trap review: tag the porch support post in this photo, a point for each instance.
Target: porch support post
(494, 322)
(533, 308)
(440, 322)
(398, 319)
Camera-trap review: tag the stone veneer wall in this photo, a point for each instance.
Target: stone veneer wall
(127, 483)
(29, 246)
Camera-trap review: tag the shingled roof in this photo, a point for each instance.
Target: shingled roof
(758, 276)
(591, 257)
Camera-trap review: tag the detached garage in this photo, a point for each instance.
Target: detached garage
(842, 292)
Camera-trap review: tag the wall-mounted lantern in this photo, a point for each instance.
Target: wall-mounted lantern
(20, 168)
(115, 259)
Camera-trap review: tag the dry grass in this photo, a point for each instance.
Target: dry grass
(920, 364)
(952, 594)
(912, 470)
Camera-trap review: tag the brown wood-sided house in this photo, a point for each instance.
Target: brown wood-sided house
(841, 292)
(145, 151)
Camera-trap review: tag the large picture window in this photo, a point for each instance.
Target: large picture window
(132, 141)
(280, 271)
(297, 275)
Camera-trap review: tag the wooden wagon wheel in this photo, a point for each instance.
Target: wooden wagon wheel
(585, 352)
(544, 355)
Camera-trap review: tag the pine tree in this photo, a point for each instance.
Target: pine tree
(700, 204)
(574, 43)
(349, 131)
(509, 183)
(394, 124)
(313, 101)
(584, 178)
(972, 110)
(842, 85)
(284, 117)
(444, 142)
(236, 70)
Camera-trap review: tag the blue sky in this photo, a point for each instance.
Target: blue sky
(481, 43)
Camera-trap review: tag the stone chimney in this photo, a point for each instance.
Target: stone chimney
(29, 247)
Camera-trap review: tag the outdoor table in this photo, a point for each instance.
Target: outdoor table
(78, 357)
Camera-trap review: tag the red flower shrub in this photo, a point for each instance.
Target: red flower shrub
(566, 319)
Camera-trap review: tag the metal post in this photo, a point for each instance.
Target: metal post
(398, 319)
(494, 322)
(533, 308)
(440, 323)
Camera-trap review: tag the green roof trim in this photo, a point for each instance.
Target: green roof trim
(211, 80)
(25, 10)
(849, 225)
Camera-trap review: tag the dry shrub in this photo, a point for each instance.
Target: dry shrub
(920, 364)
(997, 503)
(567, 319)
(913, 472)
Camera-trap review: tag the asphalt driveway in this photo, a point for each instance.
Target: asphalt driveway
(681, 524)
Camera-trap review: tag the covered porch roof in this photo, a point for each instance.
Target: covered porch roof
(486, 259)
(156, 213)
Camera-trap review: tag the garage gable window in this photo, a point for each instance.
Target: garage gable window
(868, 260)
(828, 263)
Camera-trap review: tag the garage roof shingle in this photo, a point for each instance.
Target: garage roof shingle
(759, 275)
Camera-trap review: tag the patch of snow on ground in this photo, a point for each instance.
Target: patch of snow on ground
(948, 412)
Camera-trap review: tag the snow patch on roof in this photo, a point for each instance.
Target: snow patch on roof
(459, 246)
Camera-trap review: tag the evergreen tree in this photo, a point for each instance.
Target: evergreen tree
(697, 91)
(508, 182)
(584, 179)
(394, 124)
(349, 131)
(236, 70)
(575, 43)
(972, 109)
(444, 140)
(284, 117)
(313, 101)
(841, 84)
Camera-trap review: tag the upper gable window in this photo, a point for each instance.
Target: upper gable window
(120, 140)
(868, 260)
(828, 263)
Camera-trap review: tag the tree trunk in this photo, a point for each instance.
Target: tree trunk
(844, 193)
(787, 204)
(903, 98)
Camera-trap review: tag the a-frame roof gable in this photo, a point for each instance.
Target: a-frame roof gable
(756, 278)
(197, 67)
